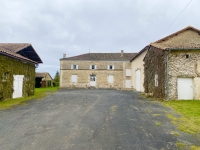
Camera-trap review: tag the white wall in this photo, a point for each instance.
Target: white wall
(136, 64)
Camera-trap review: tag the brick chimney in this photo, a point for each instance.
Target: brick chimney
(122, 53)
(64, 55)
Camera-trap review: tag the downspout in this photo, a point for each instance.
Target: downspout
(167, 76)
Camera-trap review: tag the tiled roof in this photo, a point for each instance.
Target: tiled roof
(40, 74)
(11, 49)
(103, 56)
(144, 49)
(174, 34)
(165, 46)
(14, 47)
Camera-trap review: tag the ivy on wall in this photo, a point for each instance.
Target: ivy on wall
(9, 67)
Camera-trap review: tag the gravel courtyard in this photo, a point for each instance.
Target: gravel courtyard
(89, 120)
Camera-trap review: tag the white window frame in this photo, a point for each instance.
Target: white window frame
(156, 80)
(113, 67)
(95, 67)
(74, 67)
(74, 78)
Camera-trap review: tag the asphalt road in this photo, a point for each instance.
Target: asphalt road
(89, 120)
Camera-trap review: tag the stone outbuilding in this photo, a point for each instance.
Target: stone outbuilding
(172, 66)
(17, 70)
(43, 79)
(98, 70)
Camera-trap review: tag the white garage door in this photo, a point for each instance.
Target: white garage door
(137, 72)
(17, 85)
(185, 88)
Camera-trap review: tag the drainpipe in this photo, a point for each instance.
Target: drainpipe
(167, 76)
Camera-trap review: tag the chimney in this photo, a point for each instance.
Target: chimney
(64, 55)
(122, 53)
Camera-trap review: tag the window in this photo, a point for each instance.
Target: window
(111, 67)
(27, 77)
(5, 76)
(128, 72)
(156, 80)
(110, 79)
(92, 66)
(74, 66)
(74, 78)
(186, 56)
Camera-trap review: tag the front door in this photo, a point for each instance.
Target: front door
(92, 80)
(17, 86)
(128, 83)
(185, 88)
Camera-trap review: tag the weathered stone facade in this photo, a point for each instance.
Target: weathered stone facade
(101, 72)
(180, 66)
(183, 51)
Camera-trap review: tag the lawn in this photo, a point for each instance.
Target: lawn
(39, 93)
(189, 118)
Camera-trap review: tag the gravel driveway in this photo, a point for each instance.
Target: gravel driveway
(88, 120)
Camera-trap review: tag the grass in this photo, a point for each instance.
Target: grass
(180, 145)
(39, 93)
(189, 121)
(158, 123)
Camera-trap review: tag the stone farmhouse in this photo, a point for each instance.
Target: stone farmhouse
(17, 70)
(172, 66)
(99, 70)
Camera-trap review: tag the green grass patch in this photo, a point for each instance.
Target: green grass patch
(39, 93)
(180, 145)
(189, 121)
(195, 147)
(158, 123)
(156, 115)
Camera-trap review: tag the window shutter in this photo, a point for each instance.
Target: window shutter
(113, 67)
(71, 66)
(108, 67)
(90, 66)
(76, 66)
(95, 66)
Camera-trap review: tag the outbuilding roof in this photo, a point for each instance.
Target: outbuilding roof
(22, 51)
(103, 56)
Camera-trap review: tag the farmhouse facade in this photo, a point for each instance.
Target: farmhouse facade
(99, 70)
(17, 70)
(172, 66)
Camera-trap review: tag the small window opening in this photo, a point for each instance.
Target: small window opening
(186, 56)
(111, 67)
(5, 76)
(74, 67)
(93, 66)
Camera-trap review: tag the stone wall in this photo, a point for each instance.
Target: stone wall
(101, 72)
(180, 66)
(154, 65)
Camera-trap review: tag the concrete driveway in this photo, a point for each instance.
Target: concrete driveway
(88, 120)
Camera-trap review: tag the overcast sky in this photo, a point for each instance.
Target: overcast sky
(54, 27)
